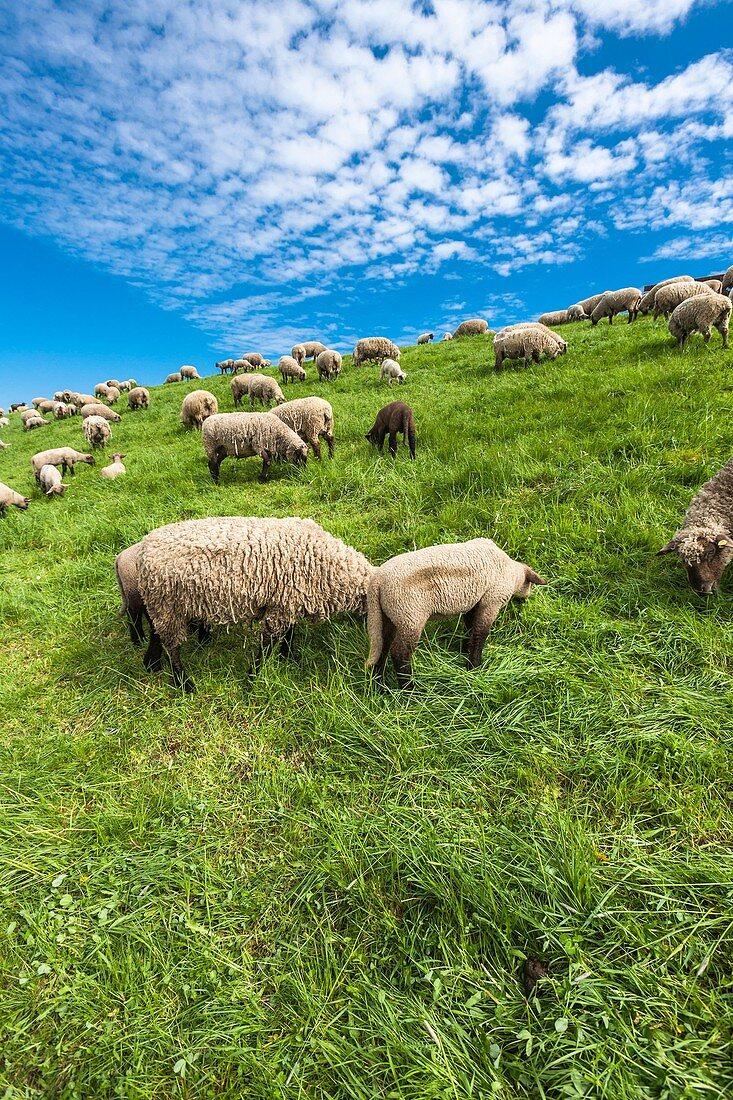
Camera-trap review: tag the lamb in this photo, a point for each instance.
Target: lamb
(258, 387)
(250, 435)
(669, 297)
(558, 317)
(727, 280)
(115, 468)
(447, 336)
(196, 407)
(65, 457)
(174, 377)
(527, 344)
(95, 409)
(291, 370)
(474, 579)
(50, 481)
(63, 412)
(138, 398)
(224, 366)
(189, 373)
(425, 337)
(33, 422)
(97, 431)
(647, 302)
(310, 418)
(475, 327)
(701, 314)
(241, 365)
(576, 312)
(704, 542)
(627, 299)
(297, 352)
(229, 570)
(392, 372)
(393, 418)
(375, 349)
(113, 394)
(328, 365)
(9, 498)
(113, 384)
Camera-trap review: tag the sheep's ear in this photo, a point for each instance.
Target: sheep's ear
(668, 549)
(532, 577)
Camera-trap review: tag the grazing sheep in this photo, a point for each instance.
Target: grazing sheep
(475, 327)
(391, 419)
(224, 366)
(447, 336)
(174, 377)
(97, 431)
(728, 280)
(79, 400)
(251, 435)
(100, 390)
(264, 390)
(196, 407)
(125, 387)
(576, 312)
(392, 372)
(189, 373)
(113, 394)
(589, 304)
(527, 344)
(239, 365)
(425, 337)
(50, 481)
(35, 402)
(291, 370)
(562, 344)
(239, 386)
(113, 383)
(3, 446)
(328, 365)
(132, 607)
(255, 359)
(28, 414)
(312, 348)
(115, 468)
(44, 405)
(96, 409)
(65, 457)
(668, 298)
(138, 398)
(704, 542)
(374, 349)
(17, 405)
(647, 302)
(34, 422)
(4, 421)
(310, 418)
(297, 352)
(701, 314)
(714, 284)
(9, 498)
(625, 300)
(474, 579)
(229, 570)
(63, 412)
(559, 317)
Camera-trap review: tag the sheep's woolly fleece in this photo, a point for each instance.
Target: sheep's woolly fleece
(309, 417)
(374, 349)
(246, 435)
(197, 406)
(701, 314)
(226, 570)
(476, 326)
(709, 516)
(669, 297)
(59, 456)
(526, 344)
(617, 301)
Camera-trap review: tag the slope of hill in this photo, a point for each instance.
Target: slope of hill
(289, 885)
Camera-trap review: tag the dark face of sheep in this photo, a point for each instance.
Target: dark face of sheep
(298, 455)
(704, 559)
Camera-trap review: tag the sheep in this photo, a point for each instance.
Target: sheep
(196, 407)
(100, 390)
(126, 563)
(704, 542)
(250, 435)
(527, 344)
(44, 405)
(138, 398)
(65, 457)
(95, 409)
(34, 422)
(4, 420)
(50, 481)
(263, 389)
(328, 365)
(224, 366)
(9, 498)
(447, 336)
(174, 377)
(714, 284)
(28, 414)
(562, 344)
(291, 370)
(701, 314)
(669, 297)
(425, 337)
(125, 387)
(589, 304)
(115, 468)
(242, 365)
(475, 327)
(255, 359)
(113, 394)
(35, 402)
(559, 317)
(310, 418)
(474, 579)
(311, 349)
(232, 569)
(97, 431)
(727, 280)
(63, 412)
(617, 301)
(576, 312)
(392, 372)
(647, 302)
(393, 418)
(17, 405)
(375, 349)
(189, 373)
(79, 400)
(113, 383)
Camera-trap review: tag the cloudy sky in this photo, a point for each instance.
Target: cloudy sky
(184, 179)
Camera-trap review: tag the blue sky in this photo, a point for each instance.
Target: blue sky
(186, 179)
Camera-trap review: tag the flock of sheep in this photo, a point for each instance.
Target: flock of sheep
(201, 574)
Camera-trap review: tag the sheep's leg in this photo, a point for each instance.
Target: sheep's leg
(135, 624)
(331, 444)
(380, 439)
(411, 441)
(179, 675)
(153, 659)
(286, 642)
(204, 634)
(402, 662)
(393, 442)
(722, 328)
(316, 447)
(388, 633)
(484, 617)
(214, 465)
(266, 462)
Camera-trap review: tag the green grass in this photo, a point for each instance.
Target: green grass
(289, 886)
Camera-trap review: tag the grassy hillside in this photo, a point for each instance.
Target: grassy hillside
(288, 885)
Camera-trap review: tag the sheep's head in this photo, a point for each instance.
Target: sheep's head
(57, 490)
(297, 454)
(527, 579)
(23, 503)
(704, 553)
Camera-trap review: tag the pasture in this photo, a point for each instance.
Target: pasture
(288, 885)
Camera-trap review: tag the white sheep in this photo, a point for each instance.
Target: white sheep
(196, 407)
(65, 457)
(646, 304)
(50, 481)
(375, 349)
(33, 422)
(189, 373)
(701, 314)
(392, 372)
(115, 469)
(558, 317)
(447, 336)
(328, 365)
(10, 499)
(527, 343)
(310, 418)
(96, 431)
(250, 435)
(474, 579)
(227, 570)
(291, 370)
(669, 297)
(113, 383)
(95, 409)
(476, 326)
(175, 376)
(297, 352)
(625, 300)
(138, 398)
(258, 387)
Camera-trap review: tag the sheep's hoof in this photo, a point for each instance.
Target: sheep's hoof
(186, 685)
